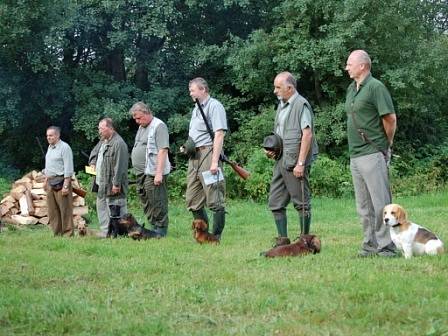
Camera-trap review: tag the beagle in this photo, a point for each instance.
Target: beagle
(410, 238)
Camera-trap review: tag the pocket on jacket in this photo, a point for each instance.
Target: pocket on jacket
(290, 152)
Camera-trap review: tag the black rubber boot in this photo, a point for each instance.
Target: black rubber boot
(219, 221)
(200, 214)
(114, 219)
(161, 231)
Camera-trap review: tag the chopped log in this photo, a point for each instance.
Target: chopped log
(38, 185)
(40, 203)
(44, 220)
(9, 220)
(80, 211)
(25, 181)
(5, 207)
(9, 199)
(14, 211)
(29, 201)
(78, 201)
(18, 191)
(24, 209)
(24, 220)
(35, 175)
(40, 212)
(39, 191)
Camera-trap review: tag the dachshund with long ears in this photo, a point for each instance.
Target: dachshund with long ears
(201, 234)
(306, 244)
(408, 237)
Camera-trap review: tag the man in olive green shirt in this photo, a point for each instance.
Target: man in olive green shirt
(371, 124)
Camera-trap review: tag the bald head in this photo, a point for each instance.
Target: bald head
(361, 56)
(358, 65)
(285, 85)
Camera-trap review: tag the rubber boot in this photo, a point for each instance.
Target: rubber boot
(282, 226)
(305, 223)
(219, 221)
(161, 231)
(114, 219)
(200, 214)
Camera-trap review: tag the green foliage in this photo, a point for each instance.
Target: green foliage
(173, 286)
(330, 178)
(70, 63)
(177, 183)
(412, 174)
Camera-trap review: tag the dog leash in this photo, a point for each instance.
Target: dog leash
(302, 183)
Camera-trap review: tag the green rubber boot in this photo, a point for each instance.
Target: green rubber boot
(282, 226)
(219, 221)
(305, 224)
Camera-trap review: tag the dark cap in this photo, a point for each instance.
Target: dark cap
(273, 143)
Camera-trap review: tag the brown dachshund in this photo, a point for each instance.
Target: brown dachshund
(84, 231)
(306, 244)
(201, 234)
(135, 230)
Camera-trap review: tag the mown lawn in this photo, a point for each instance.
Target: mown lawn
(173, 286)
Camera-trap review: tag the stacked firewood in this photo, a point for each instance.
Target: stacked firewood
(26, 203)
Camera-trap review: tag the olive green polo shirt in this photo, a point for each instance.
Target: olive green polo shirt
(368, 105)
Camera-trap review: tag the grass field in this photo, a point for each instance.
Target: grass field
(172, 286)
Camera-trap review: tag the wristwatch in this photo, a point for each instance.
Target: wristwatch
(300, 163)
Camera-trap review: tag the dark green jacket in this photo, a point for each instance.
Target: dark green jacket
(114, 169)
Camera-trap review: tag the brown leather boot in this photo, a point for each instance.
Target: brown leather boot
(279, 241)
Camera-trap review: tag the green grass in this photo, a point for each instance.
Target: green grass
(173, 286)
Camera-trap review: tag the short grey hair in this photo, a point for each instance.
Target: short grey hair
(289, 78)
(56, 129)
(200, 82)
(109, 122)
(140, 107)
(363, 57)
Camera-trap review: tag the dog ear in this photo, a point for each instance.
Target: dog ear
(402, 216)
(315, 244)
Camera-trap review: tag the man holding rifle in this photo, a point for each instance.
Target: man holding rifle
(205, 180)
(294, 130)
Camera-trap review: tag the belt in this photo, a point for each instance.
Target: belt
(55, 176)
(201, 148)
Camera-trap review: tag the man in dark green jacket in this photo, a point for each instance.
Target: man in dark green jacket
(111, 175)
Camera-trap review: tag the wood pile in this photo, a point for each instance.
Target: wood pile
(26, 203)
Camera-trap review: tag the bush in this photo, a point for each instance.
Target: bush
(330, 178)
(177, 182)
(7, 175)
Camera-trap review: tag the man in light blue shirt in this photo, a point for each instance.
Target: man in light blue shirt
(58, 174)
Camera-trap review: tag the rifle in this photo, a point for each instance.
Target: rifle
(78, 191)
(241, 172)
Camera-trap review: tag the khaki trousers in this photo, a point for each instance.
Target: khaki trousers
(198, 193)
(154, 199)
(60, 212)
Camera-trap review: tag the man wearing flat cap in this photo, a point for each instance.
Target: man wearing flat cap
(294, 130)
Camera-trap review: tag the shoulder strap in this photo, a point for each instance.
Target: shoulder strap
(364, 136)
(209, 130)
